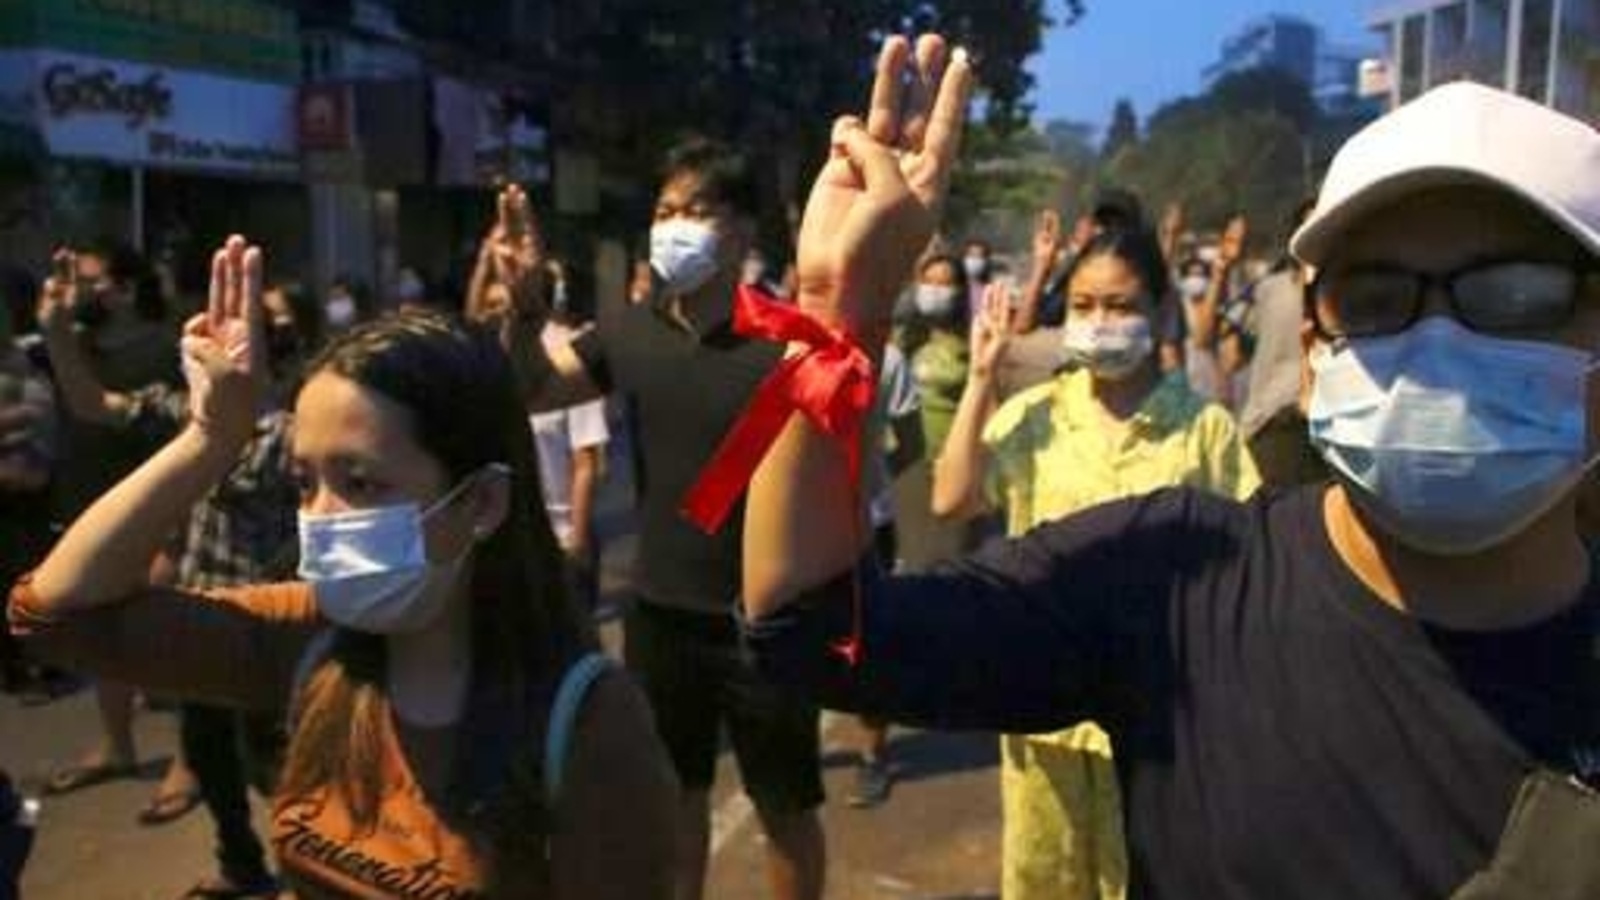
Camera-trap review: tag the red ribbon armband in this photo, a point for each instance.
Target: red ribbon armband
(831, 383)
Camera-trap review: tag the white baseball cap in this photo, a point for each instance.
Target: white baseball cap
(1462, 133)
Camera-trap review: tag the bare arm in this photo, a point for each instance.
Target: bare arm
(1203, 331)
(585, 478)
(506, 293)
(958, 473)
(85, 397)
(616, 763)
(1046, 246)
(871, 212)
(105, 556)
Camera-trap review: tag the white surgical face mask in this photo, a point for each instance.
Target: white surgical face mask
(976, 266)
(1194, 286)
(1454, 441)
(684, 253)
(1112, 348)
(936, 301)
(341, 311)
(369, 568)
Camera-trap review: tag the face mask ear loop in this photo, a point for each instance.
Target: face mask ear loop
(455, 493)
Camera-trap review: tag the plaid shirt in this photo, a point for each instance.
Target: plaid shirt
(244, 530)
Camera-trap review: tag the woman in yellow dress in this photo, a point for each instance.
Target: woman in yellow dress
(1110, 425)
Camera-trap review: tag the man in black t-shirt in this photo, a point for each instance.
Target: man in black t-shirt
(1385, 688)
(688, 376)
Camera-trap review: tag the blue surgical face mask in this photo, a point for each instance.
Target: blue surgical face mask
(369, 568)
(684, 254)
(1454, 441)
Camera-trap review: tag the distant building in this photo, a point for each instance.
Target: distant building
(1338, 78)
(1280, 41)
(1546, 50)
(1296, 46)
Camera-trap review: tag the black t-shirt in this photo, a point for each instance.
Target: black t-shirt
(1279, 731)
(686, 389)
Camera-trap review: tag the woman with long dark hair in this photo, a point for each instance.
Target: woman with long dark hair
(445, 740)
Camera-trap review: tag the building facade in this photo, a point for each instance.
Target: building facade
(1546, 50)
(1293, 45)
(1280, 42)
(150, 122)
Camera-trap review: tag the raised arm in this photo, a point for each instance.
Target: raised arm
(105, 556)
(85, 398)
(507, 294)
(1229, 251)
(872, 211)
(958, 473)
(1047, 243)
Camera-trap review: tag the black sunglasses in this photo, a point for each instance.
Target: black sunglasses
(1501, 297)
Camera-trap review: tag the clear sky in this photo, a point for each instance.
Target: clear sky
(1151, 51)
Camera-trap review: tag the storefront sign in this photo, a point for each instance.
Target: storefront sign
(69, 90)
(325, 118)
(133, 114)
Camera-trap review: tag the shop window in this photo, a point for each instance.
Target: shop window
(1533, 55)
(1413, 35)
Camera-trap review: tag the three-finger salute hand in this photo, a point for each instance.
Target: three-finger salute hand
(877, 200)
(510, 267)
(1046, 239)
(224, 348)
(58, 299)
(991, 330)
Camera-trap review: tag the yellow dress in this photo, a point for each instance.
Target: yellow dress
(1051, 456)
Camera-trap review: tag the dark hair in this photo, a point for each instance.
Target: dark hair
(919, 328)
(129, 270)
(725, 174)
(1118, 209)
(525, 628)
(1140, 250)
(307, 315)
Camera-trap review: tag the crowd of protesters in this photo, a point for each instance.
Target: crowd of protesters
(1266, 563)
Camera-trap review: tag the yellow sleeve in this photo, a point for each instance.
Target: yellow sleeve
(1008, 477)
(1230, 470)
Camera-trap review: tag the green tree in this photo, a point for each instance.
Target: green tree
(1123, 133)
(1246, 145)
(770, 75)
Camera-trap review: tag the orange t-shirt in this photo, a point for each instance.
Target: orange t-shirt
(410, 854)
(243, 647)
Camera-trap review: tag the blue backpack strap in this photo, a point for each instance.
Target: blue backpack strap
(575, 686)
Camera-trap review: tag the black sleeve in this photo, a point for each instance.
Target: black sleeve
(1067, 623)
(591, 350)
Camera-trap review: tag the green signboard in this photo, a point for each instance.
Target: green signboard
(247, 38)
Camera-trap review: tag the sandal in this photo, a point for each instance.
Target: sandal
(164, 808)
(219, 888)
(77, 777)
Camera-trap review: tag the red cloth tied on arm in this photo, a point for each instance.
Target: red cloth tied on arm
(831, 383)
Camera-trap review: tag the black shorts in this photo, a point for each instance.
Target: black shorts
(698, 678)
